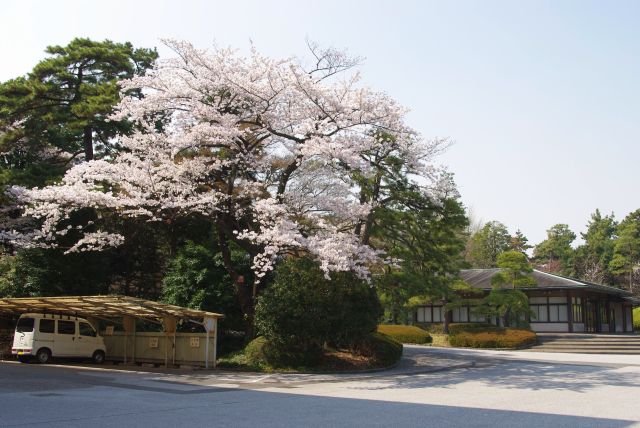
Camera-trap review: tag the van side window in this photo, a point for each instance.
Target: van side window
(25, 325)
(87, 330)
(47, 326)
(66, 327)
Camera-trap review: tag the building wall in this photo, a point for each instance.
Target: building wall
(550, 327)
(629, 313)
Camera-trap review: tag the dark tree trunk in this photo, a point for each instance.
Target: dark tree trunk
(368, 224)
(87, 140)
(243, 291)
(445, 318)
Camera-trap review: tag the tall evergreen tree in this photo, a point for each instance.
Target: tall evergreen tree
(626, 252)
(592, 259)
(428, 244)
(555, 253)
(519, 243)
(484, 246)
(60, 110)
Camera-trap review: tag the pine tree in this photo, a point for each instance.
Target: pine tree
(519, 243)
(626, 253)
(60, 110)
(554, 254)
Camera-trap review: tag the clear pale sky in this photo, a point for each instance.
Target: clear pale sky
(542, 98)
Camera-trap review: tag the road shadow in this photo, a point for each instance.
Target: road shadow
(520, 375)
(105, 407)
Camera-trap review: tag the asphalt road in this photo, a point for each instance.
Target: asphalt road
(465, 389)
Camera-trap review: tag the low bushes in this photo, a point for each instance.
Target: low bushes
(636, 319)
(495, 338)
(405, 333)
(378, 349)
(383, 349)
(255, 351)
(458, 327)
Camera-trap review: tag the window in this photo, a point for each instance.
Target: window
(474, 317)
(603, 312)
(460, 314)
(549, 309)
(25, 325)
(47, 326)
(539, 313)
(66, 327)
(437, 314)
(558, 313)
(87, 330)
(427, 314)
(576, 304)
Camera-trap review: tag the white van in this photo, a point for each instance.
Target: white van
(45, 336)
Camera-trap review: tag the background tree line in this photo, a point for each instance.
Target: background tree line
(609, 254)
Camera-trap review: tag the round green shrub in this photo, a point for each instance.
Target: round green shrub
(503, 338)
(254, 352)
(384, 349)
(301, 311)
(405, 333)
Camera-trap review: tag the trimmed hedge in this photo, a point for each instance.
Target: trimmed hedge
(459, 327)
(384, 349)
(405, 333)
(636, 319)
(501, 338)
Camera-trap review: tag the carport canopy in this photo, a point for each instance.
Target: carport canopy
(108, 307)
(101, 307)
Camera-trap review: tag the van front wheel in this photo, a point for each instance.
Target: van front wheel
(43, 356)
(98, 357)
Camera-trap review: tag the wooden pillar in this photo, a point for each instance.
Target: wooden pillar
(169, 323)
(570, 311)
(129, 324)
(210, 326)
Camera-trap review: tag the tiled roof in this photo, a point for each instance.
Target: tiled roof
(481, 278)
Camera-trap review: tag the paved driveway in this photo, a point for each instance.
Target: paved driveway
(430, 388)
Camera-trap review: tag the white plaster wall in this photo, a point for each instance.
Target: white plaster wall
(578, 327)
(555, 327)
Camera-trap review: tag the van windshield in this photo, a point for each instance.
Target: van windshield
(25, 325)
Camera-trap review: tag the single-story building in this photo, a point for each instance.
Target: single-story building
(560, 304)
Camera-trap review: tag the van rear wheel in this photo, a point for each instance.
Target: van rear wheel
(43, 356)
(98, 357)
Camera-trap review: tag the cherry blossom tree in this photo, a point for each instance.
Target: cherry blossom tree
(275, 152)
